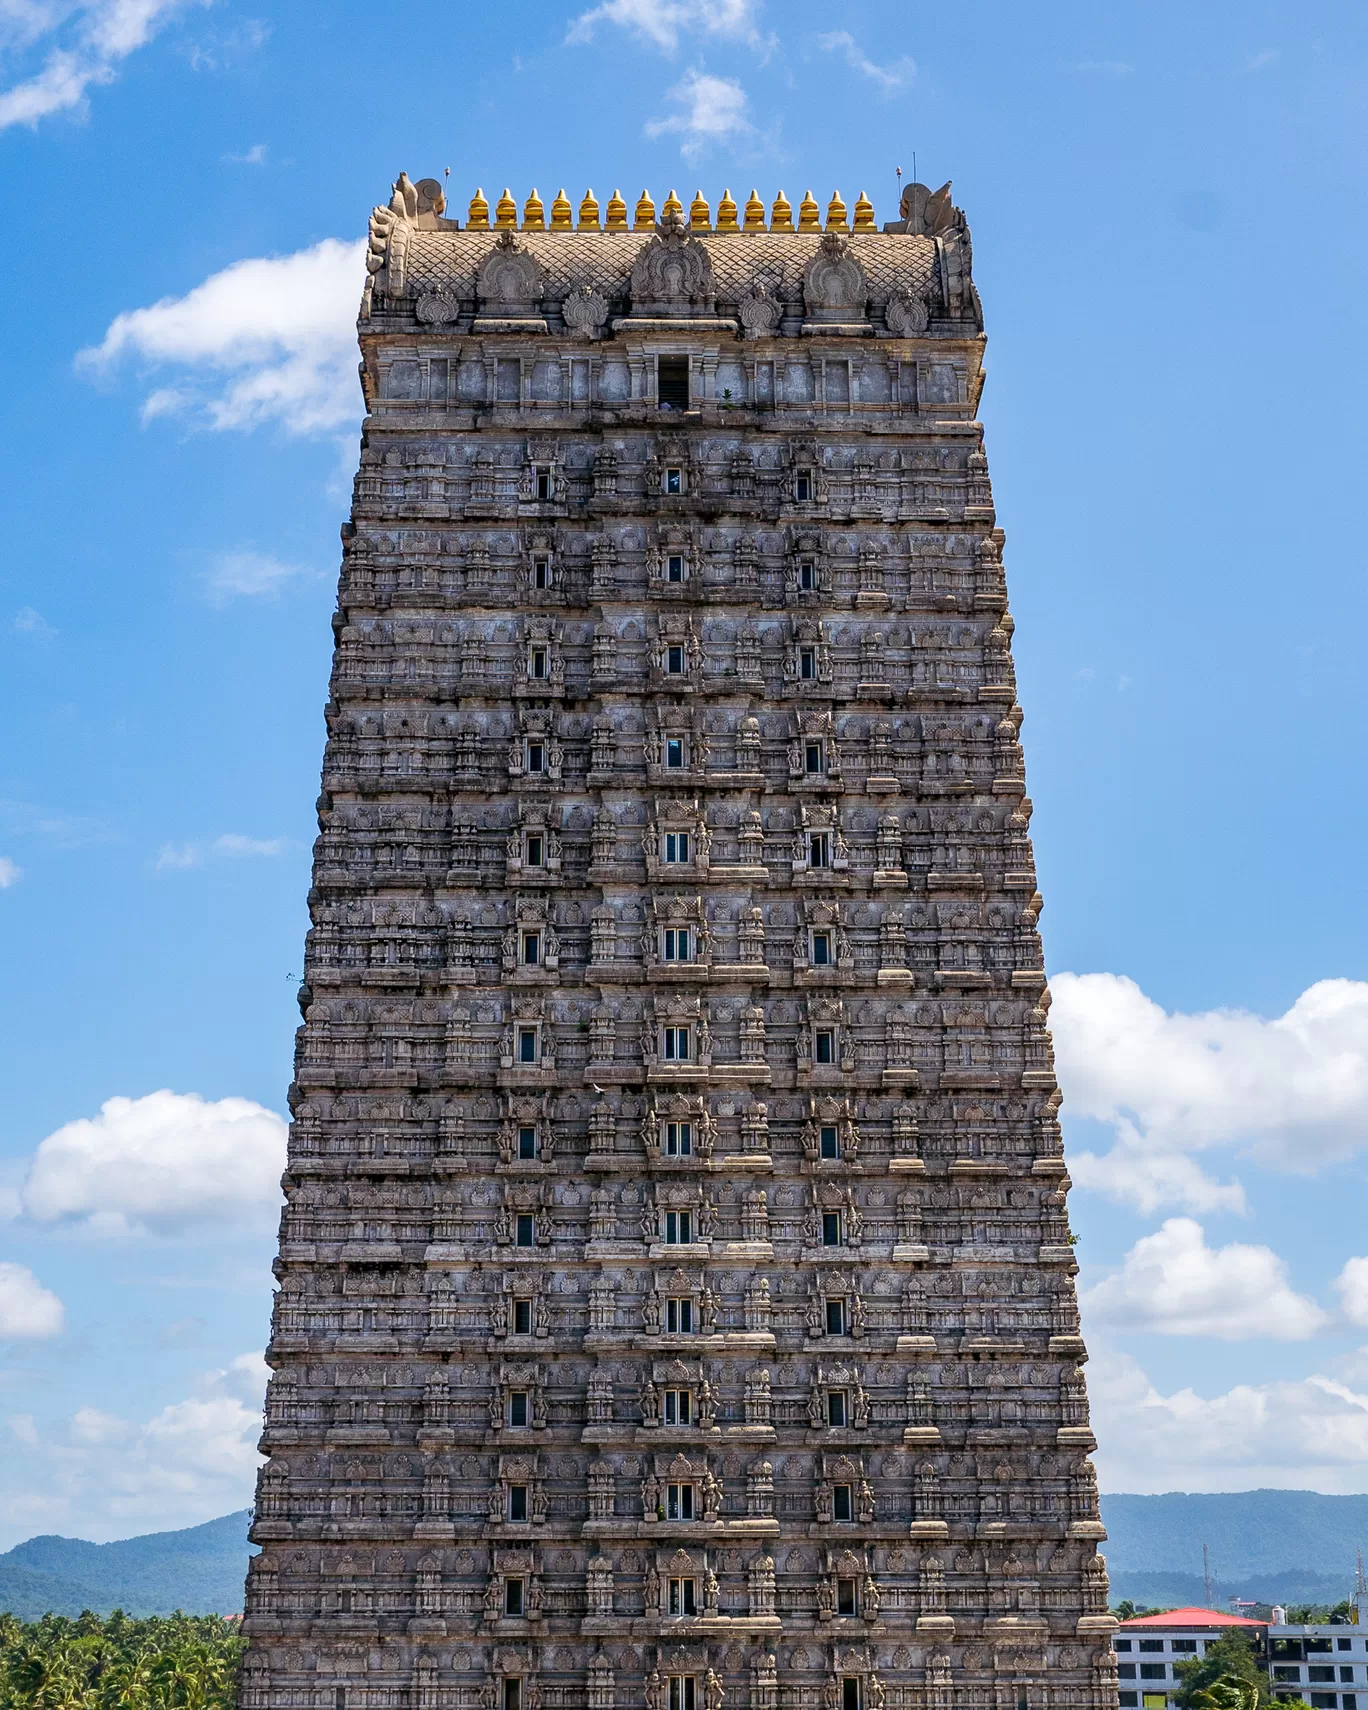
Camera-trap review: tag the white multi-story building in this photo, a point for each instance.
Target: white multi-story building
(1323, 1666)
(1148, 1647)
(1327, 1666)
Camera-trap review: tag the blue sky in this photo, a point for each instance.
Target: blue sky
(1168, 212)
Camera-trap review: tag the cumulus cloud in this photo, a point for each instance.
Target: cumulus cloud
(710, 109)
(28, 621)
(1352, 1287)
(269, 340)
(102, 1476)
(661, 22)
(1173, 1283)
(86, 44)
(162, 1164)
(1290, 1093)
(26, 1307)
(889, 78)
(1289, 1434)
(10, 872)
(245, 573)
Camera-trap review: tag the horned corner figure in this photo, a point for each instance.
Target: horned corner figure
(676, 1291)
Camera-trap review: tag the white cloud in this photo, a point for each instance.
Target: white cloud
(1102, 68)
(10, 872)
(246, 573)
(254, 156)
(1290, 1434)
(162, 1164)
(232, 844)
(711, 108)
(271, 339)
(181, 857)
(890, 77)
(1290, 1093)
(101, 1476)
(1352, 1287)
(87, 44)
(1173, 1283)
(27, 621)
(26, 1307)
(662, 21)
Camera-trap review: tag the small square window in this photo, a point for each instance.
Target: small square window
(674, 753)
(526, 1236)
(1153, 1671)
(836, 1407)
(824, 1046)
(678, 1407)
(1151, 1644)
(678, 1139)
(678, 944)
(674, 661)
(517, 1502)
(539, 664)
(676, 847)
(679, 1316)
(1187, 1647)
(842, 1508)
(807, 575)
(541, 572)
(682, 1692)
(536, 756)
(531, 949)
(535, 850)
(527, 1143)
(544, 485)
(678, 1228)
(672, 382)
(522, 1317)
(674, 480)
(517, 1407)
(802, 486)
(682, 1597)
(1129, 1700)
(835, 1318)
(828, 1144)
(845, 1597)
(1122, 1645)
(812, 763)
(679, 1502)
(676, 1044)
(831, 1228)
(807, 664)
(821, 949)
(513, 1597)
(819, 847)
(674, 567)
(850, 1692)
(512, 1693)
(527, 1045)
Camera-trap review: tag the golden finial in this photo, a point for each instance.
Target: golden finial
(562, 216)
(755, 212)
(726, 213)
(781, 215)
(477, 220)
(864, 214)
(506, 213)
(645, 213)
(809, 214)
(534, 215)
(673, 205)
(589, 213)
(836, 214)
(700, 214)
(617, 213)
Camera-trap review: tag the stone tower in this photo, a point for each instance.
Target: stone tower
(676, 1294)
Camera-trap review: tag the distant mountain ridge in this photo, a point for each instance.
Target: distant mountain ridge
(200, 1570)
(1288, 1546)
(1284, 1546)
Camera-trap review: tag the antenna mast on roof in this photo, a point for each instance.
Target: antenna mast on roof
(1206, 1575)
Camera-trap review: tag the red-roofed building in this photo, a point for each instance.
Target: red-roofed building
(1148, 1646)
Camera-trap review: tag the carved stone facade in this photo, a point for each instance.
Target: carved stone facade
(676, 1294)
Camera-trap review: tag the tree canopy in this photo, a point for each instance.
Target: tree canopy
(116, 1662)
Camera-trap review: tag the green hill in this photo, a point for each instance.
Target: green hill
(200, 1571)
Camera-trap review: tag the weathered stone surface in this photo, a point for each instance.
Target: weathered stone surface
(675, 1279)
